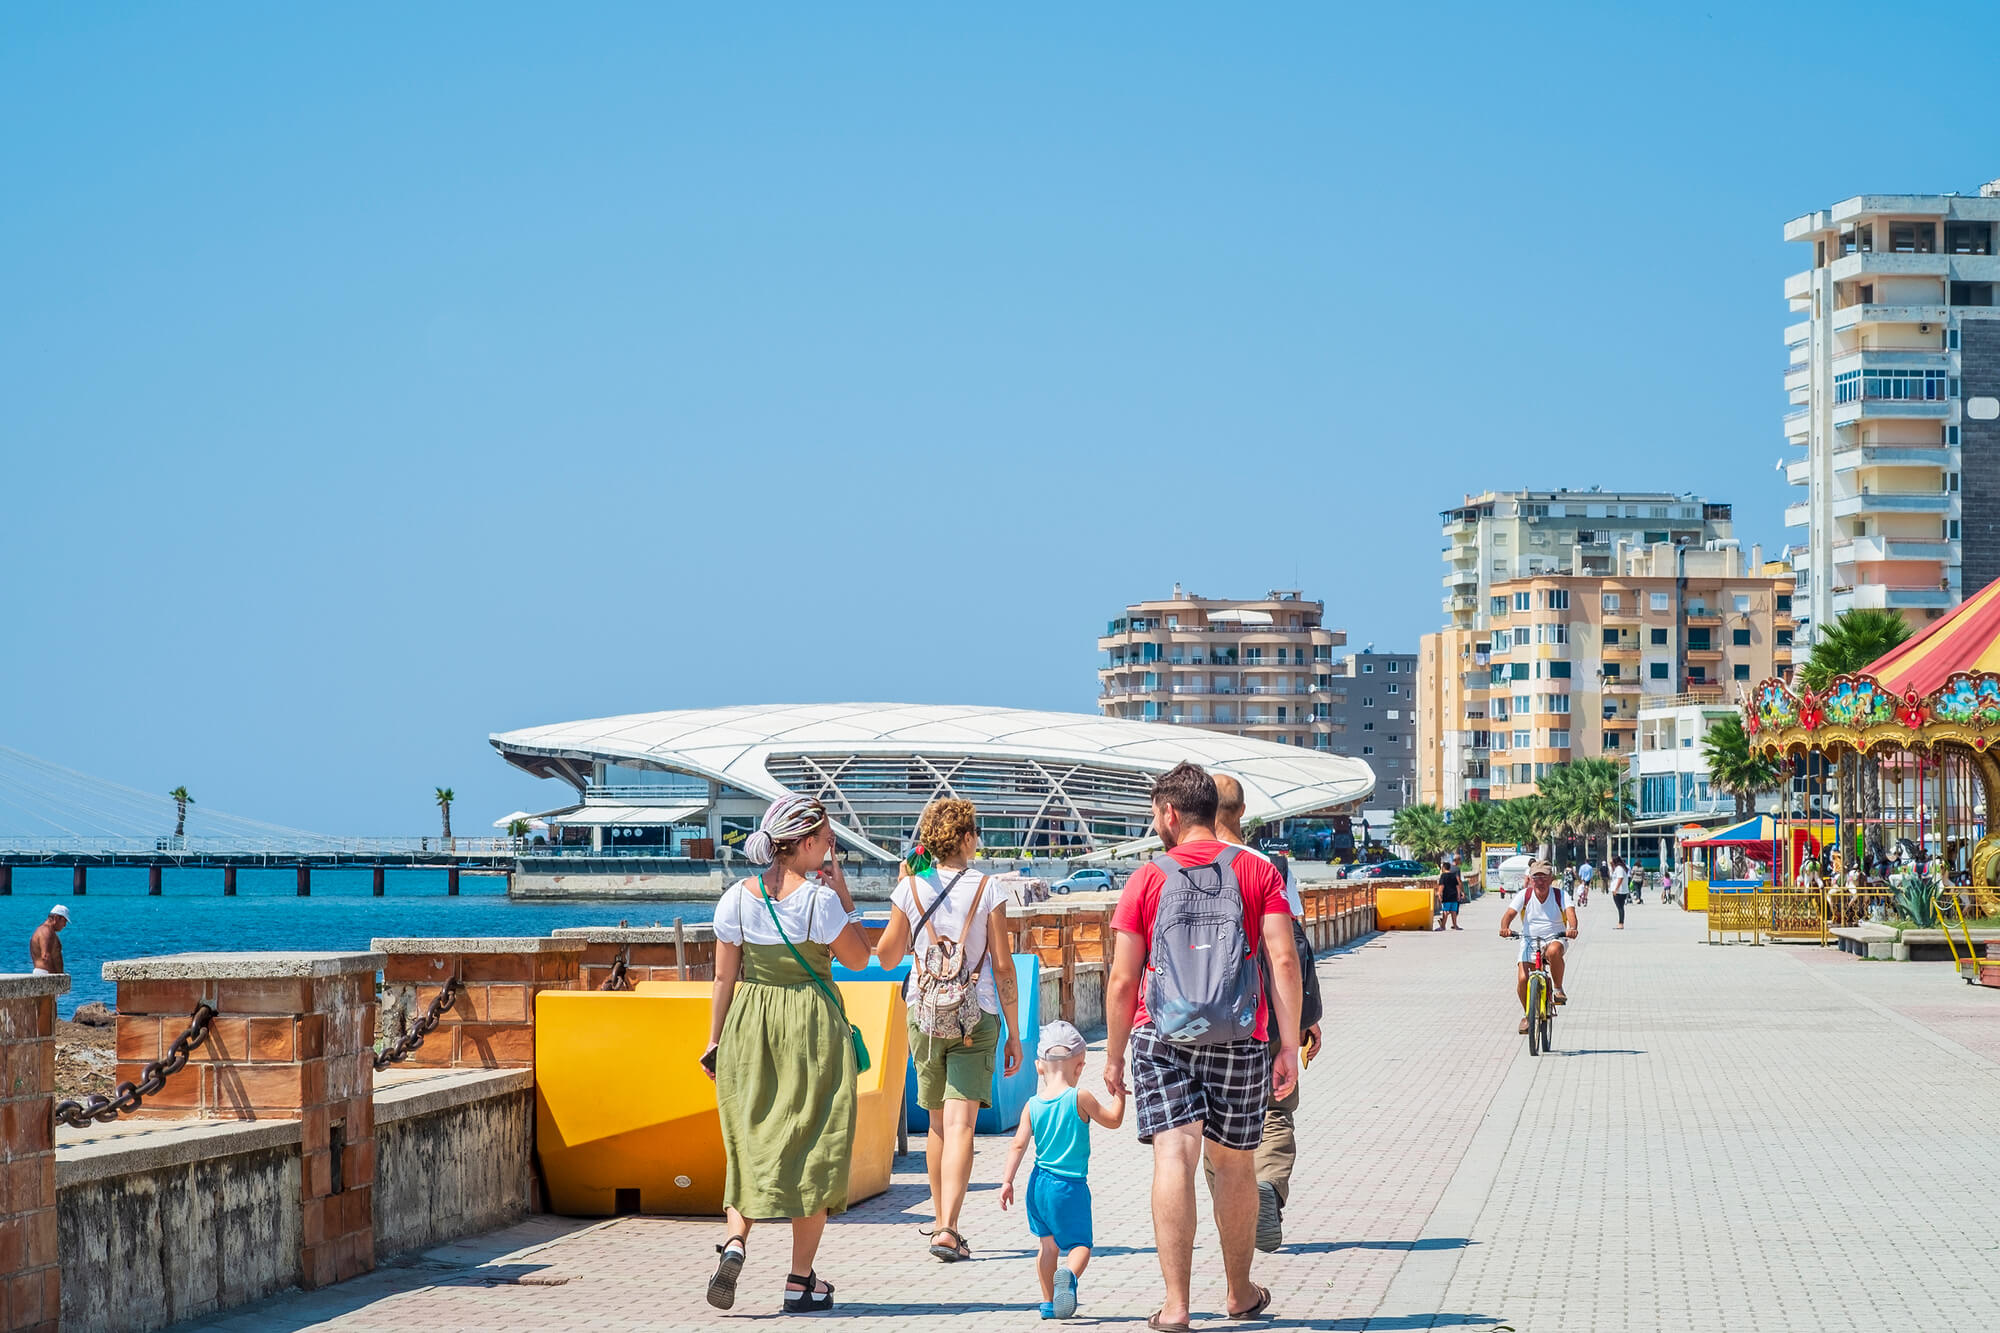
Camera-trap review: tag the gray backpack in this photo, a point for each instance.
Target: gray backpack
(1202, 978)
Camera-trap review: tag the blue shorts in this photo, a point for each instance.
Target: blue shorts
(1059, 1207)
(1448, 908)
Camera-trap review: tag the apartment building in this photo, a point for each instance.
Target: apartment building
(1669, 766)
(1567, 660)
(1512, 534)
(1500, 536)
(1262, 668)
(1381, 721)
(1894, 382)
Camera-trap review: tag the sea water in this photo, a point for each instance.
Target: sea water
(116, 918)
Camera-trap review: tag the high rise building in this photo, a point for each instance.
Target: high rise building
(1501, 536)
(1894, 379)
(1262, 668)
(1381, 721)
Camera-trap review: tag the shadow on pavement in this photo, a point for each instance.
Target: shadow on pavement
(1607, 1050)
(1334, 1246)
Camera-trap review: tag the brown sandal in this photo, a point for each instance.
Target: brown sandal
(1261, 1310)
(953, 1252)
(1154, 1322)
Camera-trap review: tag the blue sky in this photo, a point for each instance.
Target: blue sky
(373, 379)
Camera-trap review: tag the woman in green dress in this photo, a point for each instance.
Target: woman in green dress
(779, 1046)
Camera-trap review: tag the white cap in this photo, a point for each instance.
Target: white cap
(1059, 1041)
(59, 910)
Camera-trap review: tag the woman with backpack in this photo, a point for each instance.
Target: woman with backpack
(780, 1048)
(953, 921)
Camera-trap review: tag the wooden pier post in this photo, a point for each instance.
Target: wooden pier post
(451, 880)
(79, 878)
(305, 880)
(153, 881)
(379, 878)
(6, 881)
(229, 881)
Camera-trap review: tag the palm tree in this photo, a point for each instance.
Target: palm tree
(445, 796)
(1850, 644)
(1471, 826)
(1735, 768)
(1587, 797)
(1422, 829)
(181, 801)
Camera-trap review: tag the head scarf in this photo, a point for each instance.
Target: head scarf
(789, 819)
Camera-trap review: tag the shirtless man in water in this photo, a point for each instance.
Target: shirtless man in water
(44, 948)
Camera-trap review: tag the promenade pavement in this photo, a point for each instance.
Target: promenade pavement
(1725, 1137)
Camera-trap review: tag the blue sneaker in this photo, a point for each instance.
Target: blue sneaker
(1064, 1305)
(1048, 1310)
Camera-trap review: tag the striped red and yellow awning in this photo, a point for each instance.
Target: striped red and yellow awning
(1966, 640)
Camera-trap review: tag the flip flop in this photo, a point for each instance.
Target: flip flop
(1561, 998)
(1523, 1030)
(1154, 1322)
(1261, 1310)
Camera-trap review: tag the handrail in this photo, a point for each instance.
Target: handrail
(307, 846)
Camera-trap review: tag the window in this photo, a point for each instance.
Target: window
(1893, 385)
(1392, 671)
(1557, 599)
(1499, 539)
(1610, 601)
(1522, 601)
(1524, 772)
(1555, 703)
(1951, 481)
(1658, 637)
(1784, 603)
(1659, 601)
(1522, 703)
(1656, 670)
(1951, 529)
(1522, 740)
(1740, 637)
(1783, 638)
(1366, 749)
(1500, 710)
(1610, 740)
(1951, 432)
(1367, 701)
(1610, 670)
(1517, 670)
(1655, 538)
(1496, 605)
(1367, 668)
(1521, 633)
(1368, 726)
(1559, 671)
(1394, 688)
(1392, 714)
(1559, 740)
(1281, 654)
(1741, 671)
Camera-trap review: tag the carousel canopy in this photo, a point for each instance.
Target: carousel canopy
(1758, 830)
(1966, 640)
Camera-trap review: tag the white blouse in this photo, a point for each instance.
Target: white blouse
(810, 912)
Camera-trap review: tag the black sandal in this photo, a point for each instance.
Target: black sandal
(722, 1287)
(952, 1253)
(811, 1300)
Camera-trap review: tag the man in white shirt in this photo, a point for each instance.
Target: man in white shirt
(1277, 1150)
(1545, 915)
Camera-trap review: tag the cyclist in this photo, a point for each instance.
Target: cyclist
(1545, 914)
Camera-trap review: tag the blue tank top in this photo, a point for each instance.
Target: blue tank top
(1062, 1135)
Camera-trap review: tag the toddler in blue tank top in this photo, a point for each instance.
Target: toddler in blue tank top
(1058, 1121)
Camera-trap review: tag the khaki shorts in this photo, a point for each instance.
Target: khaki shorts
(955, 1069)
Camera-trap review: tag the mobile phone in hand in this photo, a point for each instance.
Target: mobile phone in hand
(708, 1060)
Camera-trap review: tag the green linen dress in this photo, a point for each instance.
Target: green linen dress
(784, 1083)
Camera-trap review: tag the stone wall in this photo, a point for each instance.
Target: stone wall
(165, 1227)
(453, 1157)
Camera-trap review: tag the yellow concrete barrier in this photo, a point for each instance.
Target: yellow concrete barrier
(1697, 896)
(624, 1120)
(1404, 909)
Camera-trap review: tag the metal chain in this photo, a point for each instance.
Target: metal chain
(128, 1096)
(618, 980)
(414, 1038)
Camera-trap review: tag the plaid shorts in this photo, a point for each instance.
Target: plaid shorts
(1223, 1086)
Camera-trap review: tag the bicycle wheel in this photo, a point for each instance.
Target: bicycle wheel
(1537, 1006)
(1546, 1023)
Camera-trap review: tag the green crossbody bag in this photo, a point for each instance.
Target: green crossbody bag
(860, 1044)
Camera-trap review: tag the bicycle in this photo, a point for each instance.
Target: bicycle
(1541, 1004)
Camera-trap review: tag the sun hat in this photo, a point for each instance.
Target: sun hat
(59, 910)
(1539, 867)
(1059, 1041)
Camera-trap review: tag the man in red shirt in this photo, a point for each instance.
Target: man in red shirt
(1195, 1097)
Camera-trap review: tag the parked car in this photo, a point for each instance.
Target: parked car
(1392, 870)
(1087, 880)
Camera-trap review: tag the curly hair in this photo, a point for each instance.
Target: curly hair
(943, 827)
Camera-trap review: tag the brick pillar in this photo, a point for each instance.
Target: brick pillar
(293, 1039)
(649, 952)
(492, 1025)
(30, 1280)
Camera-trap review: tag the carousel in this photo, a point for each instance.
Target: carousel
(1897, 764)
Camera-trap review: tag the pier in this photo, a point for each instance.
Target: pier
(480, 856)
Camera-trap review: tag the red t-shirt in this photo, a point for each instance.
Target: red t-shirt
(1263, 891)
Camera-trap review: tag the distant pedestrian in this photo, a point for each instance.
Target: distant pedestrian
(1201, 1070)
(1619, 877)
(1058, 1120)
(780, 1049)
(1449, 890)
(45, 945)
(952, 920)
(1585, 873)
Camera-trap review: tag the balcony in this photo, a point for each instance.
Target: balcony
(1460, 602)
(1885, 597)
(1621, 652)
(1462, 578)
(1800, 473)
(1854, 316)
(1858, 410)
(1701, 616)
(1706, 656)
(1798, 515)
(1798, 375)
(1871, 263)
(1620, 685)
(1894, 548)
(1848, 457)
(1892, 502)
(1799, 286)
(1621, 722)
(1704, 691)
(1932, 356)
